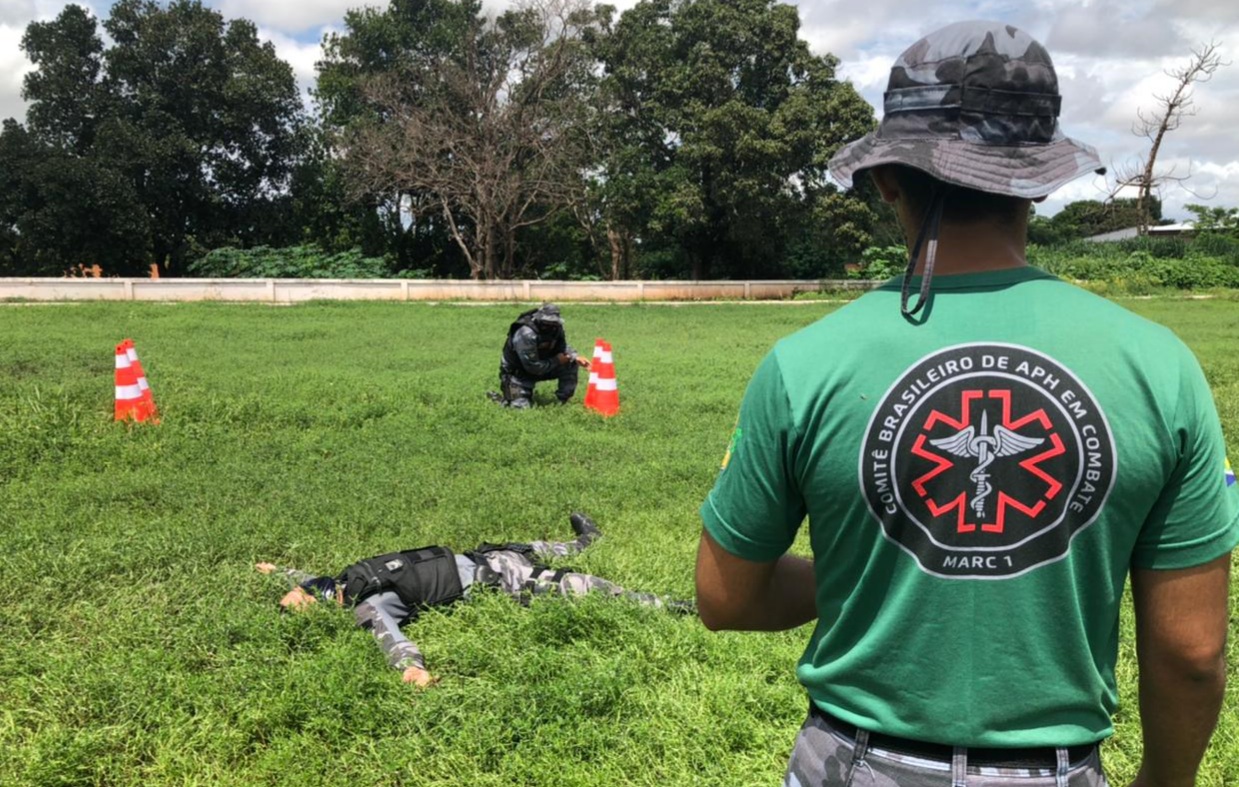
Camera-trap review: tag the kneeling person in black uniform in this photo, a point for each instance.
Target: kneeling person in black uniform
(388, 591)
(536, 350)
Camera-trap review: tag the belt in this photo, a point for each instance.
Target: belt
(1034, 757)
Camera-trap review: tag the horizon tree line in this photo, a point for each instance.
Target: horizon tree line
(679, 139)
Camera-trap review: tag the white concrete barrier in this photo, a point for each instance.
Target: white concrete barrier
(300, 290)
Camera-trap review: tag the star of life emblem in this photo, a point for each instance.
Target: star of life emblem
(971, 444)
(985, 461)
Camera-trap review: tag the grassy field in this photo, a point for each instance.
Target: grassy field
(140, 647)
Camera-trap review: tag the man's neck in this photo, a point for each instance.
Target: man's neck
(976, 248)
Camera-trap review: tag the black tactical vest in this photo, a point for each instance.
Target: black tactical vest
(424, 577)
(522, 319)
(548, 345)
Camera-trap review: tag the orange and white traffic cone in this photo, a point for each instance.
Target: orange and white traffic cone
(133, 394)
(591, 390)
(602, 395)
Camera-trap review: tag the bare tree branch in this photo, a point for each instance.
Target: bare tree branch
(496, 131)
(1168, 116)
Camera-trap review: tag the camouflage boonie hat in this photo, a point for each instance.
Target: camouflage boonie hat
(974, 104)
(549, 312)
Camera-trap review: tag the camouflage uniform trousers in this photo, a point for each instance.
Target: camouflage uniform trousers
(517, 388)
(520, 578)
(825, 757)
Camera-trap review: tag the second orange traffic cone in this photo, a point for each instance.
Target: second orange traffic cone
(133, 394)
(602, 395)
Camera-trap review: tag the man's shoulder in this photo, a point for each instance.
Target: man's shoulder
(854, 319)
(1091, 310)
(525, 332)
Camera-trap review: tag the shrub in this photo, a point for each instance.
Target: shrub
(567, 271)
(879, 263)
(1134, 268)
(292, 262)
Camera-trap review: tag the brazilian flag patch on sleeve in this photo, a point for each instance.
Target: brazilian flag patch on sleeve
(735, 440)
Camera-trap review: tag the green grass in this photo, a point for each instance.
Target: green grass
(140, 647)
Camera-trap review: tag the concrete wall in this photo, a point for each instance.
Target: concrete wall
(299, 290)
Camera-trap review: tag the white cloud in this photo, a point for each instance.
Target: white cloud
(13, 68)
(290, 17)
(17, 11)
(1211, 183)
(847, 28)
(300, 55)
(1082, 29)
(868, 75)
(1218, 12)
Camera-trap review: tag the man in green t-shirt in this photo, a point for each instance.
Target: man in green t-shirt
(981, 470)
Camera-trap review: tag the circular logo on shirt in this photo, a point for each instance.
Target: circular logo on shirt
(983, 461)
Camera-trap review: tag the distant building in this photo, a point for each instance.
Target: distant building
(1159, 230)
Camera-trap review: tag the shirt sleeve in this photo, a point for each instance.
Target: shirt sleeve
(525, 343)
(381, 614)
(756, 505)
(1196, 517)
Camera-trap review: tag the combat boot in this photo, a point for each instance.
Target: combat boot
(584, 527)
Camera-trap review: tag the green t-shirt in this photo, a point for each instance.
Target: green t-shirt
(976, 488)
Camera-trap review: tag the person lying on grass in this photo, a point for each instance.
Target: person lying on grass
(390, 590)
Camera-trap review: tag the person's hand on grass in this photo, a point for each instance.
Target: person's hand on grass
(418, 677)
(264, 568)
(297, 599)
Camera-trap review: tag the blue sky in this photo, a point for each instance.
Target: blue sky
(1111, 56)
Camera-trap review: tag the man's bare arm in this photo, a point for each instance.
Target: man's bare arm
(1181, 620)
(734, 593)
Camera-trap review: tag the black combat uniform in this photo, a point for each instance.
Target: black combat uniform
(531, 355)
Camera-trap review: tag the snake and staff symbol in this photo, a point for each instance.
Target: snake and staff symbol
(969, 444)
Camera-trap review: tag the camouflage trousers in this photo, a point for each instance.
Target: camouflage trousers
(520, 578)
(517, 389)
(826, 757)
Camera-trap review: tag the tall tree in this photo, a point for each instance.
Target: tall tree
(723, 123)
(207, 123)
(489, 131)
(187, 118)
(410, 36)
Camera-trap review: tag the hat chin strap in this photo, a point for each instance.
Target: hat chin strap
(927, 237)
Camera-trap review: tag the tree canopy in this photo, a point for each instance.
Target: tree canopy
(488, 133)
(1086, 218)
(721, 122)
(179, 134)
(680, 139)
(1215, 219)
